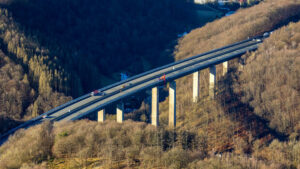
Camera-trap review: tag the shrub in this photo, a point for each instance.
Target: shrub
(26, 146)
(270, 81)
(175, 158)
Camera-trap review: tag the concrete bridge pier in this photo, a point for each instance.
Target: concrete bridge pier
(155, 106)
(212, 81)
(241, 63)
(196, 86)
(225, 68)
(101, 115)
(120, 112)
(172, 104)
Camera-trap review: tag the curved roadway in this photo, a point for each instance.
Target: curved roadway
(87, 104)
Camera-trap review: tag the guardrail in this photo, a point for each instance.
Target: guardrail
(171, 78)
(145, 80)
(50, 112)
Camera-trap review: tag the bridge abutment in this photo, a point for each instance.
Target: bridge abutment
(172, 104)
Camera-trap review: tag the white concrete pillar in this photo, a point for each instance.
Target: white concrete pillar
(196, 86)
(120, 112)
(225, 68)
(155, 106)
(101, 115)
(172, 104)
(212, 81)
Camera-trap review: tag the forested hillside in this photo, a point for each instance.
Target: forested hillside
(253, 122)
(90, 39)
(63, 48)
(270, 81)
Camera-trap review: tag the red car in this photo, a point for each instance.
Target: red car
(163, 77)
(96, 92)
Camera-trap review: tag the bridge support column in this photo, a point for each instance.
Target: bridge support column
(241, 63)
(196, 86)
(101, 115)
(225, 68)
(172, 104)
(155, 106)
(120, 112)
(212, 81)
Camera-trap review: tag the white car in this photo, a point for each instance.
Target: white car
(266, 34)
(257, 40)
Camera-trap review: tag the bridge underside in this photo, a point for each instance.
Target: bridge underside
(172, 98)
(96, 102)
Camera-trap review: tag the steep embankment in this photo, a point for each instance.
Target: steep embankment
(270, 80)
(244, 23)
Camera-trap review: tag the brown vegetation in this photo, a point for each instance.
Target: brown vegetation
(65, 51)
(31, 146)
(270, 80)
(43, 73)
(74, 50)
(230, 29)
(15, 91)
(132, 145)
(222, 133)
(18, 100)
(243, 24)
(243, 125)
(129, 144)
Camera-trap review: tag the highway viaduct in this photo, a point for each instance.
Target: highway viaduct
(150, 80)
(172, 97)
(172, 93)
